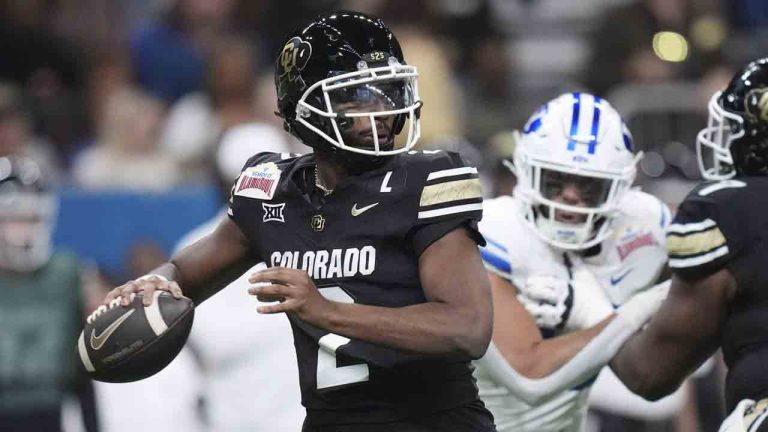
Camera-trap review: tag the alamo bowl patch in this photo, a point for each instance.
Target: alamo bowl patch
(259, 182)
(633, 238)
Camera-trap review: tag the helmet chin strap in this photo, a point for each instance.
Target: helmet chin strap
(564, 232)
(750, 156)
(353, 163)
(565, 235)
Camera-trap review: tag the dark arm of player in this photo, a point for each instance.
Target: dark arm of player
(681, 336)
(455, 319)
(199, 270)
(519, 340)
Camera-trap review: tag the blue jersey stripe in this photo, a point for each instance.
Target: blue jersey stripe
(595, 124)
(496, 244)
(495, 261)
(575, 120)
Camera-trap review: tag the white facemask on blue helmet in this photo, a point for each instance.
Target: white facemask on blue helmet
(579, 141)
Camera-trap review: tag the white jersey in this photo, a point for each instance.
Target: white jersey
(628, 261)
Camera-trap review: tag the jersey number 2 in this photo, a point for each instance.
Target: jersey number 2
(328, 374)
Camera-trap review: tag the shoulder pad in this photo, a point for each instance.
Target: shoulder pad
(422, 163)
(441, 194)
(261, 175)
(498, 232)
(646, 208)
(444, 185)
(266, 157)
(260, 178)
(716, 191)
(513, 249)
(502, 223)
(706, 233)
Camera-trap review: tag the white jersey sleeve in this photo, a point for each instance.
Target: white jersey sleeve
(635, 255)
(495, 227)
(513, 250)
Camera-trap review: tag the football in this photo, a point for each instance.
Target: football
(124, 344)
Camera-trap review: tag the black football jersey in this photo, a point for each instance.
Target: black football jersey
(722, 225)
(361, 244)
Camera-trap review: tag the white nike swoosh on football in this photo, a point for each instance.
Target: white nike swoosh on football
(98, 341)
(358, 211)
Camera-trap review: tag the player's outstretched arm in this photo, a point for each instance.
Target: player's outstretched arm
(197, 271)
(554, 365)
(518, 339)
(682, 335)
(455, 319)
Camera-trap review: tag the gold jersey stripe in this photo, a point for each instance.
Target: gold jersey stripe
(451, 191)
(756, 411)
(694, 244)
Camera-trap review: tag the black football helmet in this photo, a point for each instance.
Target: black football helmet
(27, 214)
(735, 141)
(340, 66)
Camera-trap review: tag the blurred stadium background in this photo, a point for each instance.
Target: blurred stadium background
(126, 104)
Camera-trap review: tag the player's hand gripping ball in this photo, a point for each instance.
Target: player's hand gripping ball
(124, 343)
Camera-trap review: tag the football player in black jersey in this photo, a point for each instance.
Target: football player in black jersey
(717, 252)
(371, 247)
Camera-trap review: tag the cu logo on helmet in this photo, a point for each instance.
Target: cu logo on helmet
(294, 57)
(757, 103)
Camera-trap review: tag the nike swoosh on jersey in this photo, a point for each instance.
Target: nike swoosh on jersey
(618, 278)
(358, 211)
(98, 341)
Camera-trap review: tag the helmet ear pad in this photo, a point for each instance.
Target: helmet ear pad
(397, 127)
(300, 131)
(746, 96)
(400, 119)
(750, 152)
(286, 106)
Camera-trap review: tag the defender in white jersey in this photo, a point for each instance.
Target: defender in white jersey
(573, 242)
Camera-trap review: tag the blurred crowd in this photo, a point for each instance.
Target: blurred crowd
(141, 95)
(136, 94)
